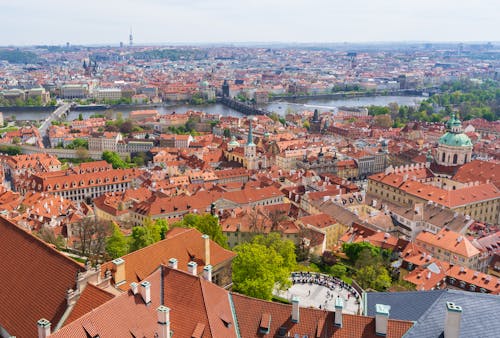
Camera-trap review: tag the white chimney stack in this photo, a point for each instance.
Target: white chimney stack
(453, 318)
(339, 306)
(193, 268)
(146, 292)
(43, 328)
(207, 272)
(172, 263)
(295, 309)
(163, 321)
(206, 243)
(134, 287)
(381, 319)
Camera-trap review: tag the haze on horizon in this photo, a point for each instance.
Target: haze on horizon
(56, 22)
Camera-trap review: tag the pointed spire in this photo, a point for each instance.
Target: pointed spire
(250, 134)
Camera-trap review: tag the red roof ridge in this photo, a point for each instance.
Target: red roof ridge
(41, 243)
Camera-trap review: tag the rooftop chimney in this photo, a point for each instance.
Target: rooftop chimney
(452, 323)
(163, 321)
(381, 319)
(295, 309)
(146, 292)
(207, 272)
(43, 328)
(119, 269)
(193, 268)
(134, 287)
(206, 241)
(339, 305)
(172, 263)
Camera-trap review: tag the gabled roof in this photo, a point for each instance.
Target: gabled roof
(196, 305)
(406, 305)
(312, 323)
(183, 244)
(428, 310)
(450, 241)
(34, 280)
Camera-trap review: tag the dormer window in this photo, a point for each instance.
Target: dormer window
(56, 186)
(91, 182)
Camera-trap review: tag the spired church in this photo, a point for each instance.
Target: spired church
(247, 155)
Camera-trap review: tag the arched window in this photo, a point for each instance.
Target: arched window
(465, 160)
(443, 157)
(455, 159)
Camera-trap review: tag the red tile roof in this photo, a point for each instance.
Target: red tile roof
(249, 312)
(181, 244)
(34, 281)
(90, 298)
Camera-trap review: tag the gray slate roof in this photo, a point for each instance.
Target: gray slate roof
(480, 316)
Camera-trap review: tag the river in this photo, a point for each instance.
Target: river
(281, 107)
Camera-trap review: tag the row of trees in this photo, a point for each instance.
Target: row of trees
(101, 240)
(469, 99)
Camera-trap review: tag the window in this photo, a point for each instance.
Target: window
(455, 159)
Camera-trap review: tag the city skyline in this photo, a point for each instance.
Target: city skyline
(224, 21)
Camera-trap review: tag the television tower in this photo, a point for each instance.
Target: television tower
(130, 38)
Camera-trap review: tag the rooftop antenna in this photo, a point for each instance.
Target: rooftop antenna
(131, 38)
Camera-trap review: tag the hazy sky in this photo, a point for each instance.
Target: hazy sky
(108, 21)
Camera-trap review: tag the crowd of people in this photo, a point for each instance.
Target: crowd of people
(330, 282)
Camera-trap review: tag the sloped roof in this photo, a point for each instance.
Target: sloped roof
(195, 304)
(91, 298)
(406, 305)
(479, 316)
(180, 243)
(250, 310)
(34, 279)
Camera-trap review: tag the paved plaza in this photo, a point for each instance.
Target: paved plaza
(319, 296)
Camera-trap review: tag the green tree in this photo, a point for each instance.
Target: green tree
(353, 250)
(117, 243)
(285, 248)
(263, 264)
(206, 224)
(306, 124)
(256, 270)
(374, 277)
(145, 235)
(338, 270)
(80, 117)
(114, 159)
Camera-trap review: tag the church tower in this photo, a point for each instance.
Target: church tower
(455, 148)
(250, 147)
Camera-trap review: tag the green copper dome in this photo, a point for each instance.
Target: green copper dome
(455, 140)
(233, 142)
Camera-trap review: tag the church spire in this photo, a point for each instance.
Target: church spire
(250, 134)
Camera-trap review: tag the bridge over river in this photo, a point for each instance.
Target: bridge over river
(56, 114)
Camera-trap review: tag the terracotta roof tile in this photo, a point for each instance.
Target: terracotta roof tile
(36, 277)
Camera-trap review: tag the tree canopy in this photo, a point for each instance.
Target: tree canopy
(262, 264)
(206, 224)
(149, 233)
(117, 243)
(114, 159)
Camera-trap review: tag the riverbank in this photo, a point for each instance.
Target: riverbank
(281, 107)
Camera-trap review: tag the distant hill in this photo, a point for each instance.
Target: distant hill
(18, 56)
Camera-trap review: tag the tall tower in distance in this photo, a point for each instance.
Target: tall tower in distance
(131, 38)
